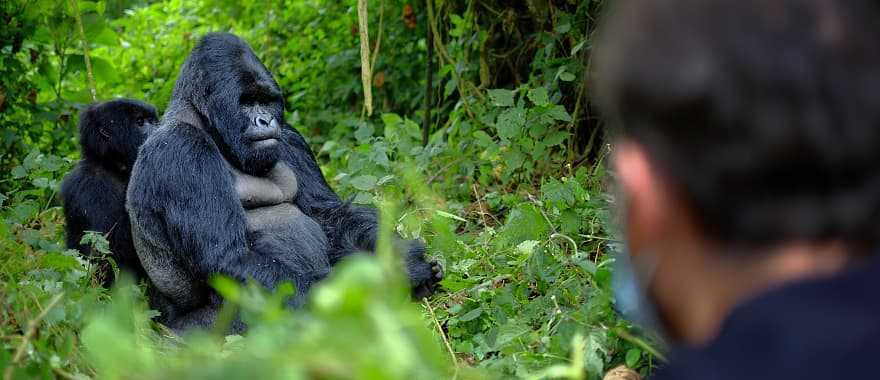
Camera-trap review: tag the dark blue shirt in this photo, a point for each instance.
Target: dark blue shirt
(825, 328)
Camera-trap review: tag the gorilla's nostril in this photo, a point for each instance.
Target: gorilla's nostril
(261, 121)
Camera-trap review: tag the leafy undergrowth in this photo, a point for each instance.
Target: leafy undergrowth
(507, 187)
(523, 293)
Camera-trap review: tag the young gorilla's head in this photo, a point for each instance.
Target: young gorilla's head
(236, 99)
(110, 133)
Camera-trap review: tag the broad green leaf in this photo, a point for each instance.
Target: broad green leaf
(595, 353)
(59, 262)
(41, 182)
(585, 263)
(633, 355)
(450, 87)
(558, 112)
(391, 119)
(384, 180)
(23, 211)
(97, 241)
(563, 28)
(364, 182)
(450, 216)
(570, 222)
(227, 287)
(483, 138)
(98, 31)
(555, 138)
(364, 132)
(19, 172)
(471, 315)
(527, 247)
(363, 198)
(557, 194)
(578, 47)
(510, 123)
(501, 97)
(539, 96)
(91, 6)
(106, 36)
(523, 223)
(566, 76)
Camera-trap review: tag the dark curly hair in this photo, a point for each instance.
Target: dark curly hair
(764, 115)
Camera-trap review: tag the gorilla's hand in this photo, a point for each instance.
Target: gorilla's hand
(424, 275)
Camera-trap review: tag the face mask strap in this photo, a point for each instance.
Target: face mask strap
(632, 275)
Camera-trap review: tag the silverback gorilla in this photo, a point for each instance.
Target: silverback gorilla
(110, 134)
(224, 186)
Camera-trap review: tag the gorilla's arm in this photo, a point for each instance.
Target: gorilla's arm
(187, 221)
(349, 228)
(93, 201)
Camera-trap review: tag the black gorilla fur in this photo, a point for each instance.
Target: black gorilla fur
(110, 134)
(224, 186)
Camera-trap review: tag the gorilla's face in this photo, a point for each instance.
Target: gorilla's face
(237, 99)
(113, 131)
(254, 135)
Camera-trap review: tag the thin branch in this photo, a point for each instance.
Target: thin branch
(28, 335)
(576, 115)
(442, 334)
(90, 77)
(462, 84)
(366, 71)
(429, 85)
(378, 38)
(480, 204)
(641, 343)
(442, 170)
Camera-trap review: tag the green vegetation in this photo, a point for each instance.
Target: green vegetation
(505, 181)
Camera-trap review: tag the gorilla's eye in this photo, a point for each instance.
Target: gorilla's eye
(263, 96)
(140, 121)
(247, 100)
(253, 99)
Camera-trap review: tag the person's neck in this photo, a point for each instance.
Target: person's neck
(730, 279)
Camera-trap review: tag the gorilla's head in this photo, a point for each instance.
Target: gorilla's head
(110, 133)
(236, 100)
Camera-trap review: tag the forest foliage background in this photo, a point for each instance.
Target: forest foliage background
(482, 141)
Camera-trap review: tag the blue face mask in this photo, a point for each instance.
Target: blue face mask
(629, 284)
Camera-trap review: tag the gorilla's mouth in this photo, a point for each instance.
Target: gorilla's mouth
(264, 137)
(264, 143)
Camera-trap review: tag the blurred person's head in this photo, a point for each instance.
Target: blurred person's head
(747, 145)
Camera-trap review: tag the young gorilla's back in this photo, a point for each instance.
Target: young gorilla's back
(93, 193)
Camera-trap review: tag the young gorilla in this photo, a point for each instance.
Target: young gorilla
(222, 187)
(110, 134)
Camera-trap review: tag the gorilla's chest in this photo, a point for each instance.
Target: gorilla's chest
(277, 187)
(274, 223)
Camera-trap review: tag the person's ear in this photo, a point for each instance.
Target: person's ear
(645, 198)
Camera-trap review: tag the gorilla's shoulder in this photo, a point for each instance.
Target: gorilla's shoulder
(90, 181)
(293, 138)
(75, 180)
(84, 175)
(177, 156)
(177, 140)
